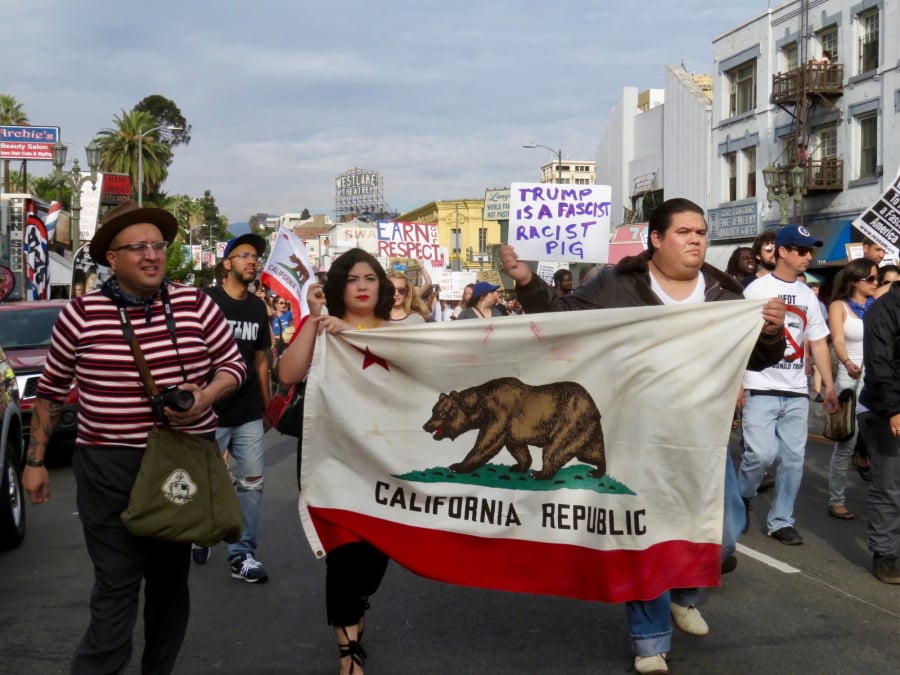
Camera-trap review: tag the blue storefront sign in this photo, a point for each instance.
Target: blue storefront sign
(733, 222)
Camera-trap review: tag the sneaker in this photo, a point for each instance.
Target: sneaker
(767, 483)
(651, 665)
(248, 568)
(747, 509)
(885, 568)
(729, 564)
(200, 554)
(787, 535)
(688, 620)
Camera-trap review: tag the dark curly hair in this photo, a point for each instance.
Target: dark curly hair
(337, 282)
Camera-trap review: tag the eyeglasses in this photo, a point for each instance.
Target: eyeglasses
(401, 291)
(871, 279)
(281, 302)
(800, 250)
(144, 246)
(246, 255)
(768, 248)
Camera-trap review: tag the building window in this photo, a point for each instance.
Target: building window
(731, 173)
(482, 240)
(868, 41)
(790, 56)
(742, 88)
(750, 171)
(826, 148)
(828, 42)
(868, 145)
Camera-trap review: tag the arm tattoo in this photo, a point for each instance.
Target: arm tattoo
(44, 416)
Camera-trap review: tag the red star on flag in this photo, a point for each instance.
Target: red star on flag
(369, 359)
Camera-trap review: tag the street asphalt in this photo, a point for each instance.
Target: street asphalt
(814, 608)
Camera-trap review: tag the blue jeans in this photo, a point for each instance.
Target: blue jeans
(775, 429)
(649, 621)
(843, 450)
(735, 516)
(245, 444)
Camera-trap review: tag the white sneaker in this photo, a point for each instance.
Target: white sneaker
(651, 665)
(688, 620)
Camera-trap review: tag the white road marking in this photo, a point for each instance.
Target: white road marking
(767, 560)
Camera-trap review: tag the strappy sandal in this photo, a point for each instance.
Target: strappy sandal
(354, 650)
(864, 470)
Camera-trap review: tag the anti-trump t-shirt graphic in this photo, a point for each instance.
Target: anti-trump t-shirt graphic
(579, 454)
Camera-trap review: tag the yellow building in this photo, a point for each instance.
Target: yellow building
(469, 239)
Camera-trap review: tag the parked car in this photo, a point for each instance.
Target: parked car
(25, 336)
(12, 460)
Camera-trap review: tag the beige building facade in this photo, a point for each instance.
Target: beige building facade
(470, 240)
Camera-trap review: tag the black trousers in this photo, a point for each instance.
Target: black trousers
(354, 572)
(104, 477)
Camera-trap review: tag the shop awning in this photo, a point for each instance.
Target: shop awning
(628, 240)
(835, 236)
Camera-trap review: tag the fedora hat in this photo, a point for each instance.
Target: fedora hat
(125, 214)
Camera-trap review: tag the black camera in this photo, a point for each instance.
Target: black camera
(171, 397)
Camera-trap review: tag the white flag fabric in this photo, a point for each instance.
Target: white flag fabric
(578, 454)
(288, 271)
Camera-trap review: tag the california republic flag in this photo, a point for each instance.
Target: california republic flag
(578, 454)
(288, 271)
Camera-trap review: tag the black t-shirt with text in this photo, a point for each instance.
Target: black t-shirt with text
(249, 319)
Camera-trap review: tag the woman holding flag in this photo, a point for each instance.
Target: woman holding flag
(359, 296)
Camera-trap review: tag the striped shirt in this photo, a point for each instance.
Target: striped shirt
(88, 344)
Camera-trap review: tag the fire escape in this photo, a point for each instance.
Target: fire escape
(814, 82)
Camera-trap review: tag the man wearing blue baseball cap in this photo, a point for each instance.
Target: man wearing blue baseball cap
(776, 399)
(241, 427)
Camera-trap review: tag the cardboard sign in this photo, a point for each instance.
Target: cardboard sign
(560, 223)
(397, 239)
(881, 221)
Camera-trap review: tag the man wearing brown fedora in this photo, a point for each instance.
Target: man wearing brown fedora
(188, 346)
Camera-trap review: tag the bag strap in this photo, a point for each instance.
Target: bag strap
(146, 377)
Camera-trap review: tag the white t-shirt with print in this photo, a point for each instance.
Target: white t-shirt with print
(803, 321)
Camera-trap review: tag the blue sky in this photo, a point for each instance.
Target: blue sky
(284, 95)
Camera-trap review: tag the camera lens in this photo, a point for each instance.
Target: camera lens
(180, 400)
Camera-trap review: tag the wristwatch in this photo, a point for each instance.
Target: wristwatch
(31, 461)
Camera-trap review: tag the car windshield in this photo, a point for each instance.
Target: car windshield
(27, 329)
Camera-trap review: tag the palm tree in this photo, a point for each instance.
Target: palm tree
(11, 113)
(119, 149)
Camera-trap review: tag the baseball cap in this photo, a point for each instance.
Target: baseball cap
(795, 235)
(483, 287)
(254, 240)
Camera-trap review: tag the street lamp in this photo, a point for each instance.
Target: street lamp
(141, 156)
(558, 154)
(784, 187)
(76, 180)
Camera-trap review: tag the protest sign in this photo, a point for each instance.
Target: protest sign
(560, 223)
(397, 239)
(881, 221)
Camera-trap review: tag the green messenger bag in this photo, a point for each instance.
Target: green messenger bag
(183, 492)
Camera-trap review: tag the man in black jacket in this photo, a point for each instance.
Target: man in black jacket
(672, 270)
(881, 429)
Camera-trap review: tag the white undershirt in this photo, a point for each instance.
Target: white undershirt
(697, 295)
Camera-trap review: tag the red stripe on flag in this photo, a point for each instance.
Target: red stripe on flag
(526, 566)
